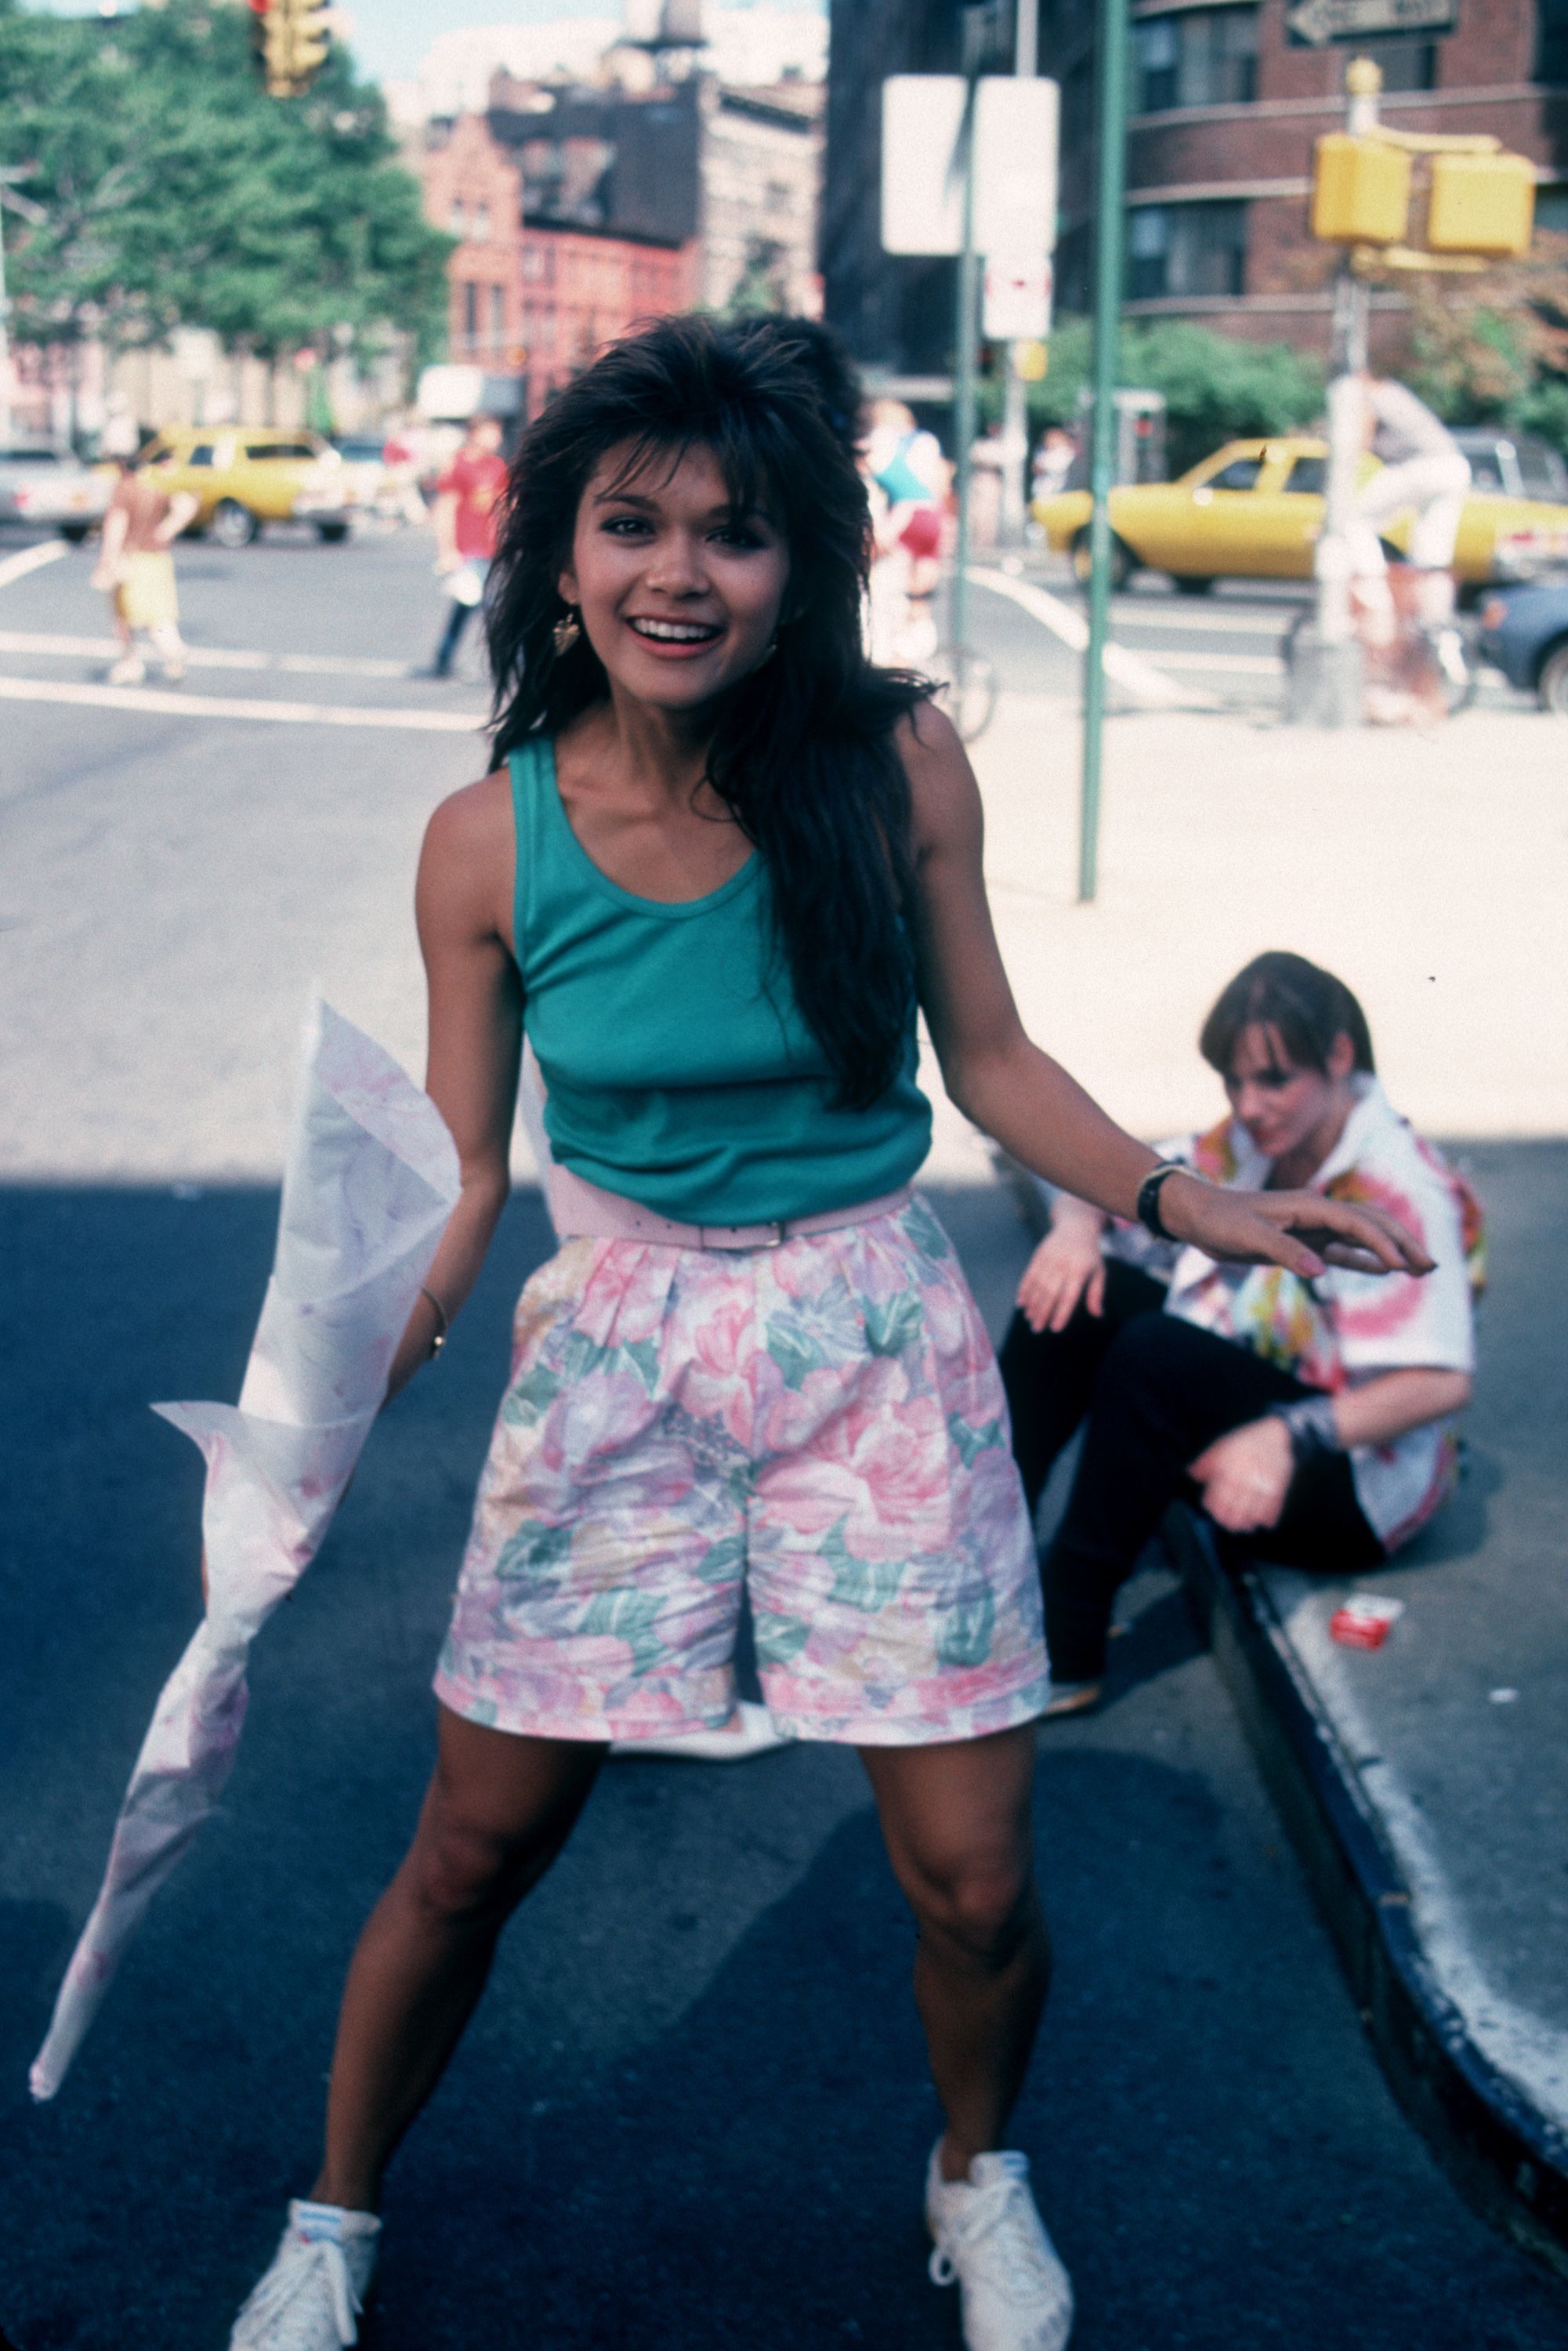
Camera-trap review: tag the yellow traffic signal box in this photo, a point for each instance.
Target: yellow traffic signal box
(1361, 191)
(1481, 204)
(311, 40)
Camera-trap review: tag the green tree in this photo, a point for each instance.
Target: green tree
(162, 187)
(1493, 347)
(1217, 388)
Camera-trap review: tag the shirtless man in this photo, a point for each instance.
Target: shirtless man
(136, 569)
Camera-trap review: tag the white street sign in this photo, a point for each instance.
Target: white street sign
(1018, 299)
(922, 163)
(1317, 22)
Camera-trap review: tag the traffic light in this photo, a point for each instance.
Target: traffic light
(1361, 191)
(292, 39)
(1481, 204)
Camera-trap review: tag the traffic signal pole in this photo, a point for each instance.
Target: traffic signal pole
(965, 330)
(1336, 696)
(1108, 247)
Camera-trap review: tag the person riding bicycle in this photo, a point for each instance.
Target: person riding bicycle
(1422, 470)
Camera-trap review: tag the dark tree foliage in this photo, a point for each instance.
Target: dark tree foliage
(160, 186)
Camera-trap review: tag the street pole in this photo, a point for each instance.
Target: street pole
(1111, 176)
(1333, 696)
(5, 339)
(964, 390)
(1015, 398)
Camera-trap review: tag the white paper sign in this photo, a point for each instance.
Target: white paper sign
(1016, 121)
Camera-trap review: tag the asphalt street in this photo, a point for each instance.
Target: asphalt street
(1224, 651)
(692, 2110)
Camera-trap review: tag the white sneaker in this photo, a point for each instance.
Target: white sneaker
(750, 1732)
(1014, 2293)
(311, 2297)
(131, 671)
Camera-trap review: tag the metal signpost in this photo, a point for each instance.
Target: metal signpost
(1112, 114)
(969, 168)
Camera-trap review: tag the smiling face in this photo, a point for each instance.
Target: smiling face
(1292, 1114)
(679, 594)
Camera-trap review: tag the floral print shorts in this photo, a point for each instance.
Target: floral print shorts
(820, 1424)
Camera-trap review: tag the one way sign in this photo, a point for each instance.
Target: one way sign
(1312, 24)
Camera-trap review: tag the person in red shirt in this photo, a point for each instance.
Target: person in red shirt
(467, 505)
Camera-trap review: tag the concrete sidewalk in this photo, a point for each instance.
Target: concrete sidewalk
(1430, 875)
(1431, 871)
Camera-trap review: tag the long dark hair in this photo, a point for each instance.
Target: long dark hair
(1307, 1006)
(802, 755)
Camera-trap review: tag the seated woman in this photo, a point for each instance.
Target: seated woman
(1310, 1419)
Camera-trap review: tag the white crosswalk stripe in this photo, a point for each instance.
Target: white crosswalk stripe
(162, 703)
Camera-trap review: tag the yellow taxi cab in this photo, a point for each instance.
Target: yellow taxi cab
(1254, 510)
(243, 476)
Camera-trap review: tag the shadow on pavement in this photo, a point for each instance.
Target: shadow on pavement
(693, 2110)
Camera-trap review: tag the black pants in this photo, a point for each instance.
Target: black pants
(1156, 1391)
(457, 620)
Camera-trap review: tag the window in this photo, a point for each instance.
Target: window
(1200, 57)
(1241, 473)
(1186, 250)
(497, 315)
(1306, 477)
(482, 223)
(1407, 62)
(202, 454)
(1551, 202)
(275, 449)
(1551, 47)
(1078, 106)
(457, 219)
(471, 313)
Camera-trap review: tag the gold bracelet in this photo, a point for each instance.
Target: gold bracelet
(439, 1341)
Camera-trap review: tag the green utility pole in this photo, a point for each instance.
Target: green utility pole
(964, 333)
(1108, 246)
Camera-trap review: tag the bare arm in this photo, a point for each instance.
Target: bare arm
(444, 519)
(1027, 1102)
(184, 507)
(1246, 1474)
(111, 543)
(476, 1039)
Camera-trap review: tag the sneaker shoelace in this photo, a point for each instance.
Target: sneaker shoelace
(309, 2262)
(1002, 2216)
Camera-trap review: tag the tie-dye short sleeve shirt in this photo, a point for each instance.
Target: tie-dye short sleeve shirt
(1344, 1327)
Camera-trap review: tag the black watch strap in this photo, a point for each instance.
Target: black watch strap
(1148, 1203)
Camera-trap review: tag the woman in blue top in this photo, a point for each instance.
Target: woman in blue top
(719, 863)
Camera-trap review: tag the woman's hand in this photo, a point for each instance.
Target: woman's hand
(1246, 1476)
(1066, 1267)
(1304, 1231)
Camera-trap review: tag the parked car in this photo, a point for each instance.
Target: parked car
(365, 471)
(1524, 632)
(245, 475)
(1514, 464)
(1255, 509)
(41, 484)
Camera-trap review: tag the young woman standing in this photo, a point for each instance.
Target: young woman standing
(722, 863)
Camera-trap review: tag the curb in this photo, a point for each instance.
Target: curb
(1510, 2159)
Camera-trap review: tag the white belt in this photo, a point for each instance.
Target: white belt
(580, 1209)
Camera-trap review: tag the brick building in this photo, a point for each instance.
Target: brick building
(1227, 96)
(581, 211)
(1226, 102)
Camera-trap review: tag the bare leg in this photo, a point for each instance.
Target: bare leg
(956, 1823)
(170, 647)
(498, 1809)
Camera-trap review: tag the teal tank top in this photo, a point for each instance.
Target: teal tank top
(678, 1069)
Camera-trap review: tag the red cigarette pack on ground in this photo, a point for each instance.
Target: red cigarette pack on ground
(1365, 1621)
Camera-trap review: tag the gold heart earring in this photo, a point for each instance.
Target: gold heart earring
(566, 632)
